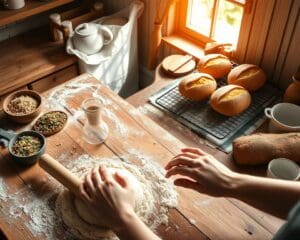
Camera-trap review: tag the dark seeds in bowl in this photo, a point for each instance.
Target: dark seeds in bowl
(26, 146)
(50, 122)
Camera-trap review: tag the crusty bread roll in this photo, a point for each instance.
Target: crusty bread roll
(230, 100)
(197, 86)
(248, 76)
(217, 65)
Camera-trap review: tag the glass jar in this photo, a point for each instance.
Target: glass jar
(95, 130)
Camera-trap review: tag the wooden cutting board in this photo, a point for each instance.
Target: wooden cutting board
(178, 65)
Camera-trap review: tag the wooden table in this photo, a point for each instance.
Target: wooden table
(197, 216)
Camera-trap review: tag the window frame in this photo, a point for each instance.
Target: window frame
(196, 37)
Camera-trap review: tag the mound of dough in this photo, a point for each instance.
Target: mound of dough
(83, 211)
(83, 225)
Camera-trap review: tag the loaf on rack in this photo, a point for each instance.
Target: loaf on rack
(217, 65)
(230, 100)
(197, 86)
(248, 76)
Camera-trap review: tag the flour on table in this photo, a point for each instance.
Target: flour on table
(58, 97)
(120, 127)
(39, 218)
(159, 194)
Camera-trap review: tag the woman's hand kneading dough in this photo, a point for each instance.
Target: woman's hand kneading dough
(111, 196)
(108, 195)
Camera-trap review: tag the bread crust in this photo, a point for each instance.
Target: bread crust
(252, 82)
(217, 70)
(230, 106)
(199, 91)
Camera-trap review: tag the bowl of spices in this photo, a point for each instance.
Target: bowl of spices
(22, 106)
(27, 147)
(50, 123)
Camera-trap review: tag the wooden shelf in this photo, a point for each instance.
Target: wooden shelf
(31, 8)
(29, 57)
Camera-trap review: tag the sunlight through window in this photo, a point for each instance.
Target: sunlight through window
(219, 20)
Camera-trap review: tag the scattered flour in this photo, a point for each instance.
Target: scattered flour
(41, 219)
(120, 127)
(58, 97)
(192, 221)
(3, 190)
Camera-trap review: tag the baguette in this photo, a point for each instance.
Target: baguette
(261, 148)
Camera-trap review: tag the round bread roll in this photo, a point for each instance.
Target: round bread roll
(230, 100)
(197, 86)
(217, 65)
(248, 76)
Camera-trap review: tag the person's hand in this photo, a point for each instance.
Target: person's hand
(201, 172)
(108, 196)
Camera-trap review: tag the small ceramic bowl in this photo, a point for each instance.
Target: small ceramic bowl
(283, 168)
(30, 159)
(22, 118)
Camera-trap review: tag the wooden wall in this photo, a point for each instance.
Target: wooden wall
(271, 38)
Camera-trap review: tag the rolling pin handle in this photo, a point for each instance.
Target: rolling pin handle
(60, 173)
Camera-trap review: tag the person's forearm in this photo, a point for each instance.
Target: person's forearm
(134, 229)
(276, 197)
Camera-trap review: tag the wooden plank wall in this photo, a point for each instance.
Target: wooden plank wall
(271, 38)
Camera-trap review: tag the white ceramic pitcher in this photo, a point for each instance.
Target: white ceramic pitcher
(89, 38)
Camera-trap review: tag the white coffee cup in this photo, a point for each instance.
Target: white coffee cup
(14, 4)
(283, 168)
(284, 117)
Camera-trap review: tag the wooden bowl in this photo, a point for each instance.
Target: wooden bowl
(53, 131)
(22, 118)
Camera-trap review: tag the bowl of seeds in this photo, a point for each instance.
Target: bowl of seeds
(22, 106)
(50, 123)
(27, 147)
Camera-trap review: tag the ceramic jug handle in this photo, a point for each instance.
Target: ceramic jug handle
(268, 112)
(110, 34)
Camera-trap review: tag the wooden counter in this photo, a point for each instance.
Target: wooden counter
(197, 216)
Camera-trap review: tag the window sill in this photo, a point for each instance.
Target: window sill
(184, 45)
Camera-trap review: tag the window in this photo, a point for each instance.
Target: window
(207, 20)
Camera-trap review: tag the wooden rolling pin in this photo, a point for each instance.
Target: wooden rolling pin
(60, 173)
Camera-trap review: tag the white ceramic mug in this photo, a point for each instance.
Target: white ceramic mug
(284, 117)
(283, 168)
(14, 4)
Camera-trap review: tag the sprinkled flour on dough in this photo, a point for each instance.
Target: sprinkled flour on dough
(37, 211)
(159, 192)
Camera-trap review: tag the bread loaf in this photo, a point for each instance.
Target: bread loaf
(217, 65)
(248, 76)
(197, 86)
(230, 100)
(261, 148)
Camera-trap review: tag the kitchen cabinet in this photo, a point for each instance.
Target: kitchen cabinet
(54, 79)
(31, 57)
(32, 7)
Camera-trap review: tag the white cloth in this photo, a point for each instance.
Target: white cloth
(117, 63)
